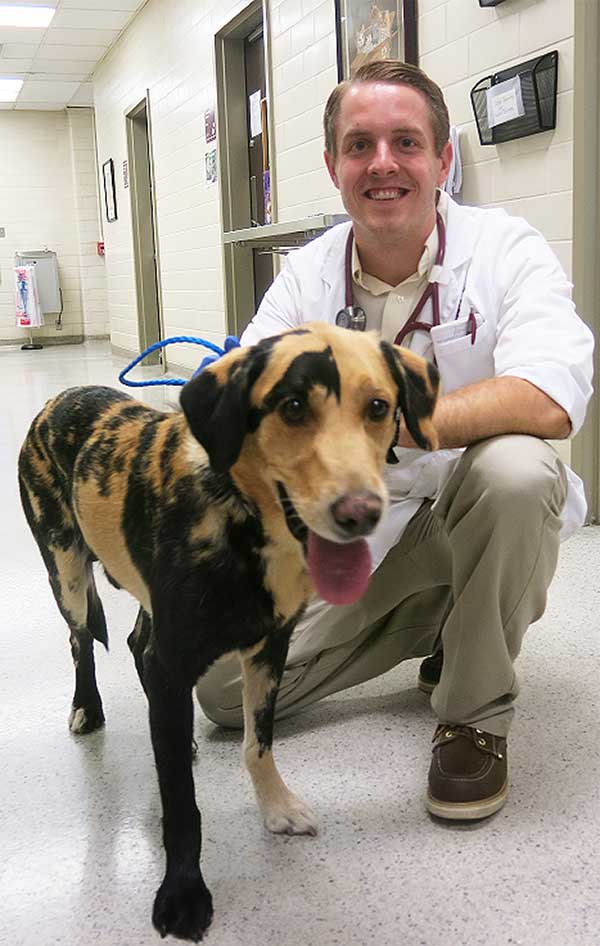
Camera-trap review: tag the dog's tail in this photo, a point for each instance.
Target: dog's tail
(96, 621)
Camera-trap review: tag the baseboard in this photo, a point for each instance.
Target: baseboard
(46, 342)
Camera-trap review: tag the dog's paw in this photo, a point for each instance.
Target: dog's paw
(290, 815)
(85, 719)
(183, 907)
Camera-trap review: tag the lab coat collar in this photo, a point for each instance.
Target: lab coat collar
(461, 235)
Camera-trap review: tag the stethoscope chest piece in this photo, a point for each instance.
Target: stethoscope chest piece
(352, 317)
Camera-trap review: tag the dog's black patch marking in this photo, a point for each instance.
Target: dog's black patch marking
(263, 723)
(293, 521)
(141, 502)
(272, 659)
(307, 370)
(73, 417)
(170, 447)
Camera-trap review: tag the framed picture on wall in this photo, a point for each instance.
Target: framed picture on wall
(374, 29)
(110, 199)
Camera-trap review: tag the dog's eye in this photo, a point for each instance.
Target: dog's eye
(294, 411)
(377, 409)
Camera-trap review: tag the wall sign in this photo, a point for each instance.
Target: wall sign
(110, 200)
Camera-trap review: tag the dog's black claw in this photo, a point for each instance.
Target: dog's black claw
(183, 907)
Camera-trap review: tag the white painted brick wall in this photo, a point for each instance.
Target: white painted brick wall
(169, 49)
(48, 199)
(92, 267)
(532, 176)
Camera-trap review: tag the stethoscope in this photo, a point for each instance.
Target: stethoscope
(354, 317)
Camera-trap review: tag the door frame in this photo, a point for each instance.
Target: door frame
(585, 447)
(233, 154)
(147, 279)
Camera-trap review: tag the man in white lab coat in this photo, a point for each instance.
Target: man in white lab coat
(465, 557)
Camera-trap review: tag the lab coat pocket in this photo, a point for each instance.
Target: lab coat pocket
(463, 356)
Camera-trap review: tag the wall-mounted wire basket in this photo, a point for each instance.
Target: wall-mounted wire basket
(538, 88)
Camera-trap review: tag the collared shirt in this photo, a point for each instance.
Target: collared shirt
(388, 307)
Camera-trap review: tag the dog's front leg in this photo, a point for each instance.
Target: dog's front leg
(283, 812)
(183, 904)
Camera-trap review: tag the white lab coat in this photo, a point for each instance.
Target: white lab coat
(527, 327)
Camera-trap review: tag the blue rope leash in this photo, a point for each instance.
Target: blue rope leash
(230, 342)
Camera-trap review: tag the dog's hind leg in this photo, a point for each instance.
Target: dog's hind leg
(283, 812)
(72, 582)
(46, 498)
(138, 641)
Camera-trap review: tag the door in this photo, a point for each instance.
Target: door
(144, 231)
(258, 154)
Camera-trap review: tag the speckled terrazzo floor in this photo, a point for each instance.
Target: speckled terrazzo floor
(80, 821)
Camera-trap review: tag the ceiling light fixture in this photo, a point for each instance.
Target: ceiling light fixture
(9, 89)
(26, 16)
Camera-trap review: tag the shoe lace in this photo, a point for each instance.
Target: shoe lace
(485, 742)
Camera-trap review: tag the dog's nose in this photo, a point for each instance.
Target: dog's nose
(357, 513)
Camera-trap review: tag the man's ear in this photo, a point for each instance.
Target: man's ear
(331, 168)
(417, 381)
(446, 159)
(216, 404)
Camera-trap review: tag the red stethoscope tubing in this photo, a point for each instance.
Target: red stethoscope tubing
(431, 292)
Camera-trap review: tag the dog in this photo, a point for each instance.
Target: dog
(221, 519)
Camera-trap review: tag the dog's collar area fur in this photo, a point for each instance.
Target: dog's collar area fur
(295, 524)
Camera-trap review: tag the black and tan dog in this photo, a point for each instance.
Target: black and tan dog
(220, 520)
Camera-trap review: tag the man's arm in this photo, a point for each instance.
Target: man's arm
(504, 405)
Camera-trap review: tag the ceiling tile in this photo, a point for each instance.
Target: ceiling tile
(18, 51)
(34, 91)
(87, 53)
(80, 68)
(80, 37)
(9, 67)
(91, 19)
(127, 5)
(20, 34)
(59, 76)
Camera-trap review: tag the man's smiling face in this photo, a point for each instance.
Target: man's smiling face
(386, 166)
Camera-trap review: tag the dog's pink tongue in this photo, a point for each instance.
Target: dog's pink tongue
(340, 573)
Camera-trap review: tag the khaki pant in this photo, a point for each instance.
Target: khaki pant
(471, 571)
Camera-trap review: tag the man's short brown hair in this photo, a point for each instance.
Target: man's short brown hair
(401, 73)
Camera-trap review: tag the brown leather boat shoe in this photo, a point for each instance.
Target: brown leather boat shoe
(468, 778)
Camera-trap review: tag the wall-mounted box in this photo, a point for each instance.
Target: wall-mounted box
(47, 278)
(525, 103)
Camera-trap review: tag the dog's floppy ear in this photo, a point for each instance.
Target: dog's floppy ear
(216, 404)
(417, 381)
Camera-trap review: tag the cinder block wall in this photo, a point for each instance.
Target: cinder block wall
(48, 199)
(461, 43)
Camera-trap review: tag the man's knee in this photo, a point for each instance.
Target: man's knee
(210, 694)
(514, 473)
